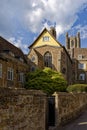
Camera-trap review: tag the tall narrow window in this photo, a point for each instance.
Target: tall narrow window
(10, 74)
(21, 77)
(0, 70)
(72, 43)
(48, 59)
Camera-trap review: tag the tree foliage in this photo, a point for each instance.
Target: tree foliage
(47, 80)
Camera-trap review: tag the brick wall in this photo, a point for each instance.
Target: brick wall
(22, 109)
(17, 67)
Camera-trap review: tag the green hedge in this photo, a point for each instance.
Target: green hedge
(46, 80)
(77, 88)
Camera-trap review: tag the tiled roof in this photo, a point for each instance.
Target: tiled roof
(5, 46)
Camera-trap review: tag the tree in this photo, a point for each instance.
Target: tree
(46, 80)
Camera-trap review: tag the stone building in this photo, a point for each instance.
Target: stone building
(71, 60)
(79, 58)
(13, 65)
(46, 51)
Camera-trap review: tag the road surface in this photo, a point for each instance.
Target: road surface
(78, 124)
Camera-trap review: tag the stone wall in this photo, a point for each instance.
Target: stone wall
(68, 106)
(22, 109)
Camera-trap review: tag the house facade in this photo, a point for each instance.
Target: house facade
(70, 60)
(13, 65)
(46, 51)
(79, 58)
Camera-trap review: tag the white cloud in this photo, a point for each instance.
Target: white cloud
(18, 43)
(82, 29)
(63, 12)
(33, 15)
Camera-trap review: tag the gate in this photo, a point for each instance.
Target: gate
(51, 111)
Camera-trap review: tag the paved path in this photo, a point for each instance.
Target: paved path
(78, 124)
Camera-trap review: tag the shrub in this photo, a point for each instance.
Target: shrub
(47, 80)
(77, 88)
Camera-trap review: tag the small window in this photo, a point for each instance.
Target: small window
(21, 59)
(0, 70)
(81, 66)
(79, 57)
(33, 69)
(33, 59)
(82, 77)
(10, 74)
(45, 38)
(21, 77)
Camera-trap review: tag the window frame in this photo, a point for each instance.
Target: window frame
(80, 56)
(82, 76)
(0, 70)
(48, 59)
(46, 38)
(21, 77)
(10, 73)
(81, 66)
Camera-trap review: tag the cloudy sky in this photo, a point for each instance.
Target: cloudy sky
(21, 21)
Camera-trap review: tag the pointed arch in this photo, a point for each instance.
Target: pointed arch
(48, 59)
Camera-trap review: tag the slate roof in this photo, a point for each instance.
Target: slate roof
(7, 46)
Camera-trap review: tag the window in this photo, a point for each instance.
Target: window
(79, 57)
(33, 58)
(48, 59)
(21, 77)
(10, 74)
(21, 59)
(0, 70)
(33, 69)
(45, 38)
(82, 77)
(12, 54)
(81, 66)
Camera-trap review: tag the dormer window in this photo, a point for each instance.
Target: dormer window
(6, 51)
(46, 38)
(18, 57)
(9, 52)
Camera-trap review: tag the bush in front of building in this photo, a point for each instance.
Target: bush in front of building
(46, 80)
(77, 88)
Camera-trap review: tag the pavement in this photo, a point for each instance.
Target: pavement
(78, 124)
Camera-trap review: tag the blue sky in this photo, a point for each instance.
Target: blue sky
(21, 21)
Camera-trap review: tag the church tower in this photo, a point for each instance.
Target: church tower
(72, 42)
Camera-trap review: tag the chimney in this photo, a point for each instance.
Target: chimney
(53, 31)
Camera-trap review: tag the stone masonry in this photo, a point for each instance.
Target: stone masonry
(22, 109)
(68, 106)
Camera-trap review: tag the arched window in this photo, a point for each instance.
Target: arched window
(48, 59)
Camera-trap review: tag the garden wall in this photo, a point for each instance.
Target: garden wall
(22, 109)
(68, 106)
